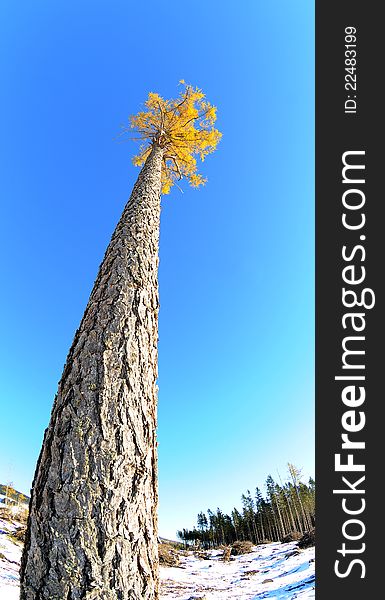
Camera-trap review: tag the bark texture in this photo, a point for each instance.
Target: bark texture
(92, 530)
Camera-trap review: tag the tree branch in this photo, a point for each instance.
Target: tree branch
(172, 157)
(183, 101)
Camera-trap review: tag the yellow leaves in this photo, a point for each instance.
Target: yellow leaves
(197, 180)
(183, 127)
(166, 184)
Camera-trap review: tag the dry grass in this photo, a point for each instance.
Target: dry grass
(6, 513)
(18, 535)
(226, 554)
(14, 513)
(168, 555)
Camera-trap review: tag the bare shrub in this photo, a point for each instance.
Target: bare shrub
(241, 547)
(292, 536)
(307, 540)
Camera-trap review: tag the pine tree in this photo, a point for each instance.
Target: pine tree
(295, 477)
(272, 494)
(259, 506)
(236, 518)
(92, 528)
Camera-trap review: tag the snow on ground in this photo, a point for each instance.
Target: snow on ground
(10, 555)
(273, 571)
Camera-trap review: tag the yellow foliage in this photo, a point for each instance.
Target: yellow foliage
(184, 127)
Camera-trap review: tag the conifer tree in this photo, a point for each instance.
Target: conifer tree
(92, 528)
(295, 477)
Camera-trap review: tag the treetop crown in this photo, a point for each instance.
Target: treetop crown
(183, 127)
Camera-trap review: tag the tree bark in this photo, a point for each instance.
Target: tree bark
(92, 529)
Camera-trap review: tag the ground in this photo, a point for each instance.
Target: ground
(10, 555)
(272, 571)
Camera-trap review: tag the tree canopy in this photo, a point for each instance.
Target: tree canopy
(184, 127)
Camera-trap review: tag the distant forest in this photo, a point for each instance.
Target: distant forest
(286, 508)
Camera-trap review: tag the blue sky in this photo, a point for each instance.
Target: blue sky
(236, 350)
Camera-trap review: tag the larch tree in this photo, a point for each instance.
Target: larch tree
(92, 528)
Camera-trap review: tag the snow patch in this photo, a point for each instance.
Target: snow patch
(10, 556)
(272, 572)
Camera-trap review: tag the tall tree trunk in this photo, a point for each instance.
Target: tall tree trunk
(92, 529)
(288, 502)
(280, 526)
(262, 528)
